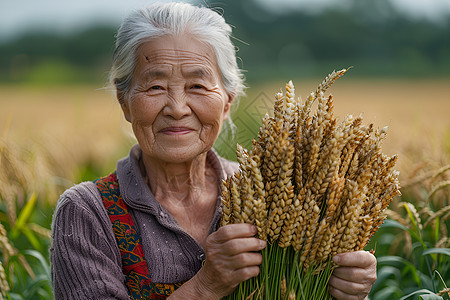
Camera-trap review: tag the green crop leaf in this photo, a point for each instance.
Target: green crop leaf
(423, 293)
(44, 263)
(394, 260)
(417, 233)
(384, 273)
(431, 297)
(403, 264)
(31, 237)
(445, 251)
(387, 293)
(436, 229)
(24, 216)
(41, 281)
(394, 224)
(14, 296)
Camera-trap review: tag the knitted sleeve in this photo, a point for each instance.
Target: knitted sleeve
(85, 260)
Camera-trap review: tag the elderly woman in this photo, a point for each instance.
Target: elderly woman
(150, 229)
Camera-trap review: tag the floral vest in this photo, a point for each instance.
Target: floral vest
(134, 265)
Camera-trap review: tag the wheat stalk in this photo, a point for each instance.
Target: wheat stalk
(4, 286)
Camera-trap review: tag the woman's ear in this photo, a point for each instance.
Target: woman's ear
(123, 104)
(227, 107)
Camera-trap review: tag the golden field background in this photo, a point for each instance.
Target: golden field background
(79, 123)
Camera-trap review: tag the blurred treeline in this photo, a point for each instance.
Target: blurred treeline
(372, 36)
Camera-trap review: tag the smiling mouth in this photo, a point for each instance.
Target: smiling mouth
(176, 130)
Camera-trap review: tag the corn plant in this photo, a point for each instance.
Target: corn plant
(24, 223)
(25, 269)
(414, 241)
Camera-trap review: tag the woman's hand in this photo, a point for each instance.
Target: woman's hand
(230, 259)
(355, 275)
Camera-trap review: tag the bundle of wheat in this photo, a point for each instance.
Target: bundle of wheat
(310, 184)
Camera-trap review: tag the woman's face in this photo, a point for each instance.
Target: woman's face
(177, 102)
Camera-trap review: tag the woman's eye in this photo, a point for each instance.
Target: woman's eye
(156, 87)
(197, 86)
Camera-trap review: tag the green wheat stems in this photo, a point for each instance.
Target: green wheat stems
(281, 277)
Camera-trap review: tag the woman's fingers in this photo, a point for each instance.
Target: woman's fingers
(358, 266)
(246, 273)
(361, 259)
(231, 257)
(245, 259)
(238, 245)
(223, 263)
(355, 276)
(343, 289)
(233, 231)
(234, 239)
(233, 247)
(340, 295)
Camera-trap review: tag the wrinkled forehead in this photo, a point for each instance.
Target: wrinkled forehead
(186, 53)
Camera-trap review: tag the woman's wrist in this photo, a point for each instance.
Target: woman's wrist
(203, 287)
(196, 288)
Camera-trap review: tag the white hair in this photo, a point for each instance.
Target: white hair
(162, 19)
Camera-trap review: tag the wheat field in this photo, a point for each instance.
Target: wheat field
(87, 120)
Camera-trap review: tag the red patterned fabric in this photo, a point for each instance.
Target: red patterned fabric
(134, 265)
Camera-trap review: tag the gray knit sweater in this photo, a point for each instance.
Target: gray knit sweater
(86, 262)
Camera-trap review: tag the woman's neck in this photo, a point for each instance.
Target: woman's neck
(188, 191)
(179, 184)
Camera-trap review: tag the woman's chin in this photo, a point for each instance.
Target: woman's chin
(180, 154)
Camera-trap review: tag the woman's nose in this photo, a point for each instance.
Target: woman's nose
(177, 106)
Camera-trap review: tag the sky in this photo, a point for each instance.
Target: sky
(19, 16)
